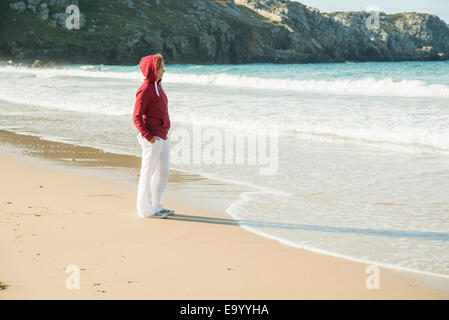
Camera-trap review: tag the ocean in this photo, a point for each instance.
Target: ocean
(359, 152)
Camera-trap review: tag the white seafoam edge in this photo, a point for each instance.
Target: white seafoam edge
(234, 215)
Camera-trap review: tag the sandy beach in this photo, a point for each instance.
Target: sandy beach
(53, 216)
(224, 150)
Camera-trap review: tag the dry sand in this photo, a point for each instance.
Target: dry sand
(51, 217)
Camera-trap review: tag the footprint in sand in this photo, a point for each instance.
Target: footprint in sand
(3, 285)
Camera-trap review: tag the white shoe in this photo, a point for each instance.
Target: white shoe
(159, 215)
(168, 212)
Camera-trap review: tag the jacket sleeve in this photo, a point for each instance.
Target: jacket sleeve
(139, 110)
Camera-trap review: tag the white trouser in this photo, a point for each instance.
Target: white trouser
(153, 176)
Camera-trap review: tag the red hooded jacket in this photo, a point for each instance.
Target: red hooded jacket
(151, 107)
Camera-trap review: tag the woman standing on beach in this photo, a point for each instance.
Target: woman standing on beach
(152, 120)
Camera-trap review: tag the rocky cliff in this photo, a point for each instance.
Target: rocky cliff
(212, 31)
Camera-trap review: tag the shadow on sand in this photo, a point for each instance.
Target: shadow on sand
(435, 236)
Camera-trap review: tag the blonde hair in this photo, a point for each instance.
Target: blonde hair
(160, 60)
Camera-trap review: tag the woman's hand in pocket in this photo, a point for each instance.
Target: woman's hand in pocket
(154, 139)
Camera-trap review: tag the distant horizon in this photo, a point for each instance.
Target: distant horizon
(439, 8)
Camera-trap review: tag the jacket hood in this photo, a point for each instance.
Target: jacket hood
(148, 66)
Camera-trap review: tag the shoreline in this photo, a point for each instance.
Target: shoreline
(94, 161)
(252, 273)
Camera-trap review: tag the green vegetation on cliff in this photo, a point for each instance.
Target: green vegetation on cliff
(212, 31)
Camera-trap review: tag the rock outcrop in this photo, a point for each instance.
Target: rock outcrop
(213, 31)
